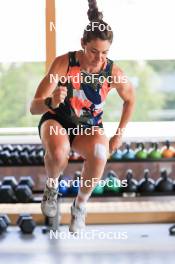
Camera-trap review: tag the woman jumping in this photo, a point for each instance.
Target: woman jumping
(80, 104)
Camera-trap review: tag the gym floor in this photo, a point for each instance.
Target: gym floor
(144, 243)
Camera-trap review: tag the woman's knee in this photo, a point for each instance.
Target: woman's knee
(101, 151)
(57, 155)
(98, 153)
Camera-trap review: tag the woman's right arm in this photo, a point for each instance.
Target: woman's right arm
(46, 86)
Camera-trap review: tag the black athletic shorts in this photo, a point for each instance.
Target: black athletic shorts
(65, 124)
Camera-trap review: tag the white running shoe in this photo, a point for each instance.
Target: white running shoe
(77, 219)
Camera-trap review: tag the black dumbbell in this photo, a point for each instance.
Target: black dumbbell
(6, 219)
(3, 225)
(146, 185)
(24, 190)
(132, 183)
(26, 224)
(7, 190)
(7, 147)
(5, 154)
(172, 230)
(26, 153)
(40, 155)
(5, 158)
(37, 156)
(1, 162)
(16, 155)
(21, 216)
(10, 180)
(164, 183)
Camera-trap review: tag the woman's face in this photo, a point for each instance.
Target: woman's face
(96, 52)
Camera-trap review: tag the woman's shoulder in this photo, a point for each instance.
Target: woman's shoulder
(62, 58)
(60, 64)
(116, 70)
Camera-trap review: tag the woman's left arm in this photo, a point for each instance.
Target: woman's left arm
(127, 93)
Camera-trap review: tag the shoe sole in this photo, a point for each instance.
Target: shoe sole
(48, 215)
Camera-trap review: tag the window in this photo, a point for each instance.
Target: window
(22, 57)
(143, 47)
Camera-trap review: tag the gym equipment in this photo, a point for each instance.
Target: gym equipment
(1, 162)
(76, 183)
(7, 147)
(98, 190)
(21, 155)
(154, 152)
(74, 156)
(7, 194)
(6, 219)
(24, 190)
(37, 156)
(128, 153)
(11, 191)
(132, 184)
(117, 155)
(63, 187)
(141, 152)
(9, 154)
(146, 185)
(3, 225)
(172, 230)
(167, 151)
(25, 154)
(7, 190)
(40, 155)
(15, 155)
(5, 157)
(112, 183)
(111, 173)
(10, 180)
(26, 180)
(26, 224)
(164, 183)
(21, 216)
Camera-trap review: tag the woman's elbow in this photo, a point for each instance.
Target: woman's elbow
(32, 112)
(132, 96)
(32, 109)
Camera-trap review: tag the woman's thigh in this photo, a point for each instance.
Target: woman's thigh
(54, 137)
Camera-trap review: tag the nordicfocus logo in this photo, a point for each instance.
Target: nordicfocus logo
(96, 25)
(92, 183)
(90, 27)
(80, 130)
(88, 235)
(88, 79)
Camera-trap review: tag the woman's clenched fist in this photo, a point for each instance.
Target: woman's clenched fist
(58, 96)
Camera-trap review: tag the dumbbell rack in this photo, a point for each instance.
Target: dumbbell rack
(118, 165)
(95, 203)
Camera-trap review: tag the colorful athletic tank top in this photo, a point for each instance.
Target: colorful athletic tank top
(86, 94)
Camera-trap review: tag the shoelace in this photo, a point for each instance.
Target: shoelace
(50, 195)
